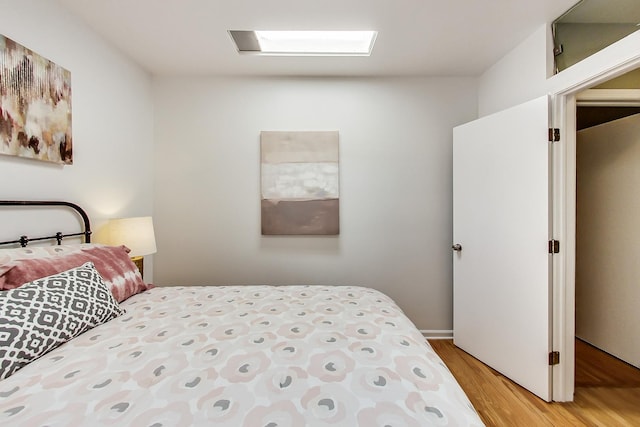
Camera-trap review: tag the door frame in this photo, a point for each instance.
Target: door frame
(564, 226)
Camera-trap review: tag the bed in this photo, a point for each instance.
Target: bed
(210, 355)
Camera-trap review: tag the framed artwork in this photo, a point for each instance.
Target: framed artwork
(300, 183)
(35, 105)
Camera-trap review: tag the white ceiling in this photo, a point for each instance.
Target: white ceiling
(415, 37)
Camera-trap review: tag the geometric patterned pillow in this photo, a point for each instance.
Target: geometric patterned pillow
(44, 314)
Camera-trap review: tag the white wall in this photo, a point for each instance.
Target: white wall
(396, 189)
(519, 76)
(112, 113)
(523, 73)
(607, 235)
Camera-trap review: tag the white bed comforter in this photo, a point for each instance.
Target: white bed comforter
(242, 356)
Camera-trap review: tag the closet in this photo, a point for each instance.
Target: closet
(608, 222)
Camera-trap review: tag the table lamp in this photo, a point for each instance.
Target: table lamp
(136, 234)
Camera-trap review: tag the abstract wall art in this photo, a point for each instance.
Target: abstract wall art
(300, 183)
(35, 105)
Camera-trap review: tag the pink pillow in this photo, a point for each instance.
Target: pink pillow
(120, 274)
(31, 252)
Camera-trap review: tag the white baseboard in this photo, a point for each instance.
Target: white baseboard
(432, 334)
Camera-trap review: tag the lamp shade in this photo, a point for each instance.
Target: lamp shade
(135, 233)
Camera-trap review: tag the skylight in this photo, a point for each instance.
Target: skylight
(305, 43)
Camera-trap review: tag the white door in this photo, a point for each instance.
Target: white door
(501, 220)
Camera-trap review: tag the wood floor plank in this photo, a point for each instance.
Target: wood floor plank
(603, 397)
(595, 368)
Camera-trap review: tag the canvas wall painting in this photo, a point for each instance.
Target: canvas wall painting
(300, 183)
(35, 105)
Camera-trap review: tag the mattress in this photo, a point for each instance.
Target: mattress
(242, 356)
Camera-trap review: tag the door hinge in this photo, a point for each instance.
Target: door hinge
(554, 246)
(554, 134)
(554, 358)
(558, 50)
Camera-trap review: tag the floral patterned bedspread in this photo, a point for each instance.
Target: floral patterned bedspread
(277, 356)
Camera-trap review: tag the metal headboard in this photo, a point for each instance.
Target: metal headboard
(24, 240)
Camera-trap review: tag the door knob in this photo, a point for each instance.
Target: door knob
(457, 247)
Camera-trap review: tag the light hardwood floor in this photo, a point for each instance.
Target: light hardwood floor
(607, 391)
